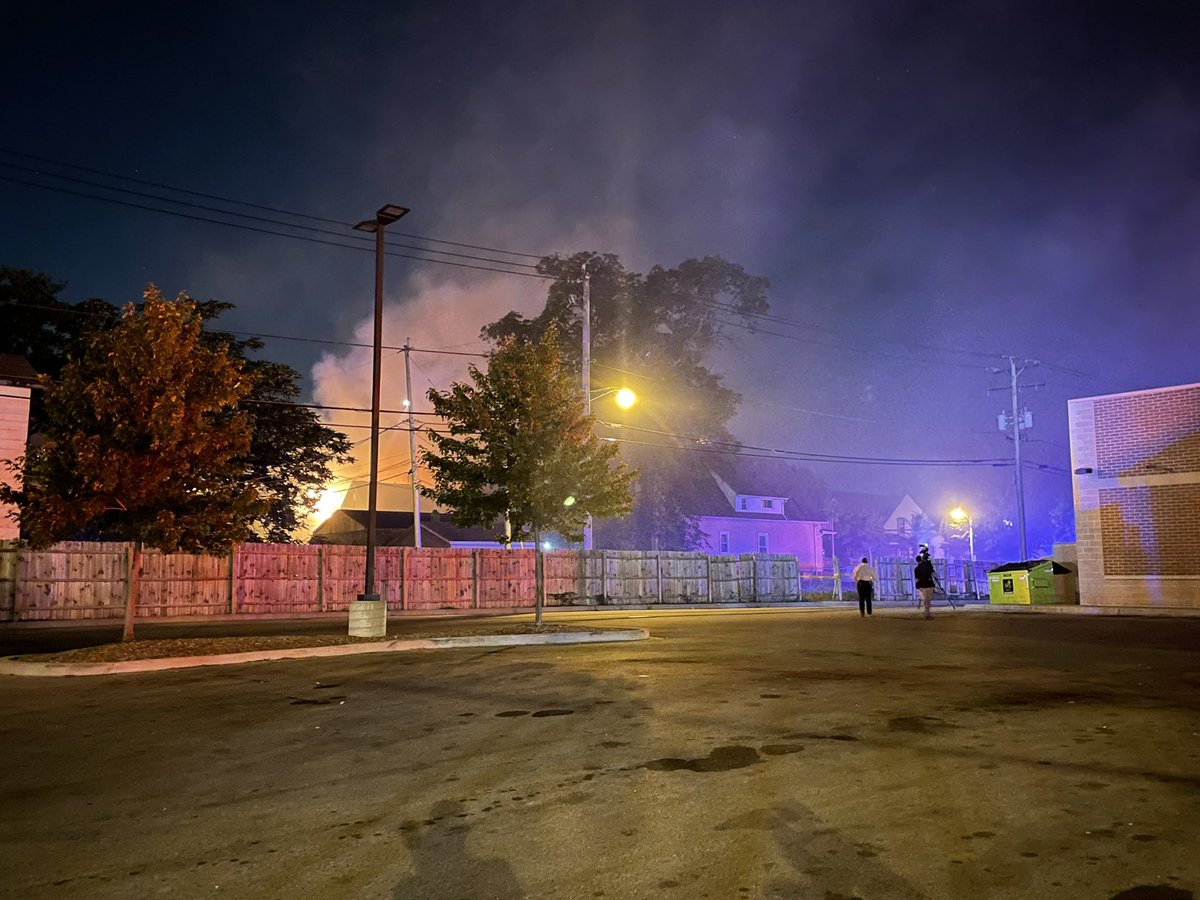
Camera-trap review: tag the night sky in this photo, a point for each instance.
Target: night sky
(926, 185)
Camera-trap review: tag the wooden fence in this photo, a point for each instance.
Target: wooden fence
(76, 581)
(960, 578)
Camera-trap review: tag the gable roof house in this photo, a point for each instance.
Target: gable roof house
(735, 522)
(394, 523)
(888, 524)
(17, 381)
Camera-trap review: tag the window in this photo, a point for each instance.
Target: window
(723, 544)
(763, 543)
(742, 503)
(768, 504)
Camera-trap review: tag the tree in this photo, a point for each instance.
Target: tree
(653, 332)
(143, 441)
(291, 453)
(519, 448)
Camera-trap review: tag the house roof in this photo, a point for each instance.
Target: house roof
(716, 498)
(16, 370)
(395, 529)
(879, 507)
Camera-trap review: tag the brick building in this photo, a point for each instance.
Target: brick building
(1136, 464)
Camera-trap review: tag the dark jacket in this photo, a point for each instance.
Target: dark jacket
(923, 573)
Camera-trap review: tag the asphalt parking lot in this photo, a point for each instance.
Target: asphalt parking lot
(737, 754)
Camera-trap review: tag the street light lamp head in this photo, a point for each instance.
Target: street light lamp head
(370, 226)
(626, 398)
(389, 213)
(958, 514)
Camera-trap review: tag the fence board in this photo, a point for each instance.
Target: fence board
(506, 578)
(438, 578)
(9, 550)
(180, 584)
(71, 580)
(276, 578)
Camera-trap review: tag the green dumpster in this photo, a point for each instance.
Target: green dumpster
(1030, 582)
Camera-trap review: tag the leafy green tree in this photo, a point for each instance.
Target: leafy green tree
(291, 455)
(654, 333)
(519, 448)
(143, 441)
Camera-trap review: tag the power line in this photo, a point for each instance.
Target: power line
(727, 308)
(298, 237)
(227, 212)
(811, 455)
(249, 205)
(782, 455)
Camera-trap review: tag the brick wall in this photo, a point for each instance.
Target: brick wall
(1136, 459)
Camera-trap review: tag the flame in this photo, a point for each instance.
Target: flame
(330, 502)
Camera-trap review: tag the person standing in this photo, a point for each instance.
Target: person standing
(923, 576)
(864, 579)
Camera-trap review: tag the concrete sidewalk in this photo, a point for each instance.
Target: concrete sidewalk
(13, 666)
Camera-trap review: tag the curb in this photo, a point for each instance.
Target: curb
(16, 666)
(1162, 612)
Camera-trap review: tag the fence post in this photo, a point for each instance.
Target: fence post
(404, 578)
(754, 577)
(474, 579)
(658, 571)
(603, 576)
(229, 581)
(708, 575)
(320, 578)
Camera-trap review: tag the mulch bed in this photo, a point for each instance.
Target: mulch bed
(159, 649)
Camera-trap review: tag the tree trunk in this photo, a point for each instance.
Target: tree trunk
(135, 573)
(539, 577)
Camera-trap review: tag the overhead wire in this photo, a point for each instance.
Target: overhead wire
(253, 228)
(808, 454)
(249, 205)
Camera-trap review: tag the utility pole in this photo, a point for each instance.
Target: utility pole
(1020, 420)
(587, 376)
(1016, 425)
(412, 447)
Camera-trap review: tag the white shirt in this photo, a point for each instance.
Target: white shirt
(864, 572)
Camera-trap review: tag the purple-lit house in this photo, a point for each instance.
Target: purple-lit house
(734, 522)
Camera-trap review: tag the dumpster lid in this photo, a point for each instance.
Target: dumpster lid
(1029, 565)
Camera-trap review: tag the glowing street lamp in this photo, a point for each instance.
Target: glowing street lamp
(624, 397)
(960, 515)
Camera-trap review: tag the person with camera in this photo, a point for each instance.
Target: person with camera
(925, 579)
(864, 579)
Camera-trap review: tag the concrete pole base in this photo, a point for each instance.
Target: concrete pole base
(368, 616)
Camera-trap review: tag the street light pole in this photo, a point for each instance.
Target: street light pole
(958, 514)
(368, 615)
(587, 377)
